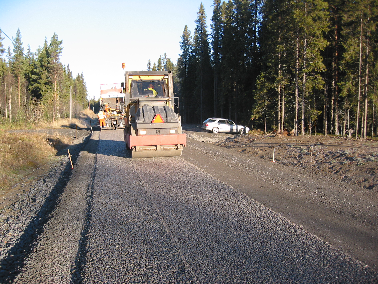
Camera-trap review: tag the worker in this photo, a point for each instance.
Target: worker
(151, 88)
(101, 118)
(106, 107)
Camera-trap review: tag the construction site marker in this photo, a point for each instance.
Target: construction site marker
(69, 155)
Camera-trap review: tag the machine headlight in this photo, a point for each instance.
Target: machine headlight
(172, 131)
(142, 132)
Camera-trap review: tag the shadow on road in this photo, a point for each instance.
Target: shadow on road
(12, 264)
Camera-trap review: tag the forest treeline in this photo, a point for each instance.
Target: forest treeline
(305, 66)
(36, 86)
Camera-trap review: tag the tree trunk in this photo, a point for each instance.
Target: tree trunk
(325, 122)
(10, 105)
(359, 83)
(215, 91)
(334, 101)
(19, 92)
(304, 88)
(57, 101)
(336, 115)
(304, 80)
(349, 134)
(6, 107)
(332, 106)
(279, 109)
(344, 124)
(366, 89)
(279, 91)
(296, 88)
(372, 122)
(283, 110)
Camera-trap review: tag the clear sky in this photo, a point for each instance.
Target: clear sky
(98, 35)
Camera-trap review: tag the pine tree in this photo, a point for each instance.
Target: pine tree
(186, 75)
(55, 50)
(154, 67)
(149, 67)
(160, 65)
(311, 20)
(360, 25)
(17, 62)
(3, 68)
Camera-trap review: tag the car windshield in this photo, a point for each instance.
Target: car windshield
(231, 122)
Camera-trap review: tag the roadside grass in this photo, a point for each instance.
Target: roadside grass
(23, 153)
(20, 154)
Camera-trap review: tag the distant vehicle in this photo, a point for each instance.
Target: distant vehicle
(216, 125)
(112, 102)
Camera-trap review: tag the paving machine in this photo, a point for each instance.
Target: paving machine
(152, 127)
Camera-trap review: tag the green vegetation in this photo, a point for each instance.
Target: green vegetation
(307, 66)
(35, 92)
(26, 153)
(36, 87)
(163, 64)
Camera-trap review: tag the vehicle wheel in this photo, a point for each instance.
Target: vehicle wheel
(215, 130)
(241, 131)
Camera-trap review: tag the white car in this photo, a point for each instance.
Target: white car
(216, 125)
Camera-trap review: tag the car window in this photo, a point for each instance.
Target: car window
(211, 120)
(231, 122)
(222, 122)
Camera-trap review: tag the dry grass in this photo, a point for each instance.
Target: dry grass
(22, 153)
(66, 122)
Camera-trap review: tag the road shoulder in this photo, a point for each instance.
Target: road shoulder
(332, 211)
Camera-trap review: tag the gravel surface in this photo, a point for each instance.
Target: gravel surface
(164, 220)
(343, 214)
(25, 217)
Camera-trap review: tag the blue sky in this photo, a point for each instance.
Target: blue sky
(99, 35)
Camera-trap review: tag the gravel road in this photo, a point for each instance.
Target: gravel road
(113, 219)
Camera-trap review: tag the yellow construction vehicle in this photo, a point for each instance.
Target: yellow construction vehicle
(112, 104)
(152, 127)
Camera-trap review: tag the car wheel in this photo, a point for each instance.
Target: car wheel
(215, 130)
(241, 131)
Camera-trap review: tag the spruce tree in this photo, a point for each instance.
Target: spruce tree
(216, 44)
(185, 75)
(201, 50)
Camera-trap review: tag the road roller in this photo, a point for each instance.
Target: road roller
(152, 126)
